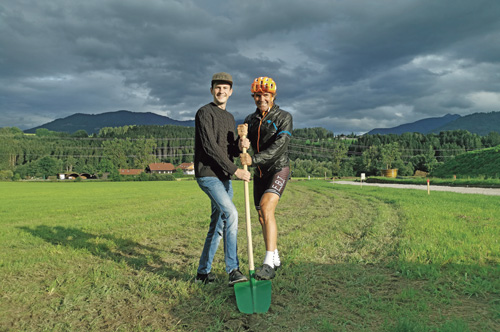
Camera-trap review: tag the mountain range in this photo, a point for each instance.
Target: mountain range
(423, 126)
(478, 123)
(92, 123)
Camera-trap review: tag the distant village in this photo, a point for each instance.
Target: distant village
(154, 168)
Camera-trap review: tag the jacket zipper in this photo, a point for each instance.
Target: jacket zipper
(258, 139)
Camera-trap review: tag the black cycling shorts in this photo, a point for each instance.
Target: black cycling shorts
(270, 183)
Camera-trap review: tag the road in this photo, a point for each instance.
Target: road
(461, 190)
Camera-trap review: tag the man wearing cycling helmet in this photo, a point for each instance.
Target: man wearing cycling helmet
(269, 131)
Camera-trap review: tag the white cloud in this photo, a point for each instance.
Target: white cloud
(485, 101)
(436, 64)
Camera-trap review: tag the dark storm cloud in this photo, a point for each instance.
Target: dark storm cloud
(348, 66)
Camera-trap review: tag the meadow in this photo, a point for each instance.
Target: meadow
(122, 256)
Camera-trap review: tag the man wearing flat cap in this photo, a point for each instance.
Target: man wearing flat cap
(216, 144)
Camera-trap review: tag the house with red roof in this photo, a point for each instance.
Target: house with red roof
(187, 168)
(161, 168)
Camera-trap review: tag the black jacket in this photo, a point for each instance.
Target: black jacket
(215, 143)
(270, 142)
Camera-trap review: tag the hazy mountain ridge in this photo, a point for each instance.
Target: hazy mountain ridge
(476, 123)
(423, 126)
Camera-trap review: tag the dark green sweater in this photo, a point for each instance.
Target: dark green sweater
(216, 143)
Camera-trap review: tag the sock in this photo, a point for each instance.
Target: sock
(269, 258)
(276, 258)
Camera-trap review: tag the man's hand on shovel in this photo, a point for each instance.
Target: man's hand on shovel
(243, 174)
(245, 158)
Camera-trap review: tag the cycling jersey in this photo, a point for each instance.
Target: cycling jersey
(269, 135)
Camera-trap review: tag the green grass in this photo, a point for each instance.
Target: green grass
(122, 257)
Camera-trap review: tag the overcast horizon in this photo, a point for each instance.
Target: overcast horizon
(347, 66)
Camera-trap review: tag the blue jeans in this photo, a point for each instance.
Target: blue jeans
(223, 224)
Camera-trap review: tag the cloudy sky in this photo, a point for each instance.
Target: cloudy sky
(348, 66)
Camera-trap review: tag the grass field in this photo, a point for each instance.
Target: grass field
(121, 256)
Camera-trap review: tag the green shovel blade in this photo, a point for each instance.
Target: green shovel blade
(253, 296)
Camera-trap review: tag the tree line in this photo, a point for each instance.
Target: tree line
(313, 151)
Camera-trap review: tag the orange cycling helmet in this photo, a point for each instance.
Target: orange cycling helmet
(263, 85)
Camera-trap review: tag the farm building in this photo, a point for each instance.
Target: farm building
(187, 168)
(161, 168)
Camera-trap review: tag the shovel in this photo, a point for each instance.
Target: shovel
(253, 296)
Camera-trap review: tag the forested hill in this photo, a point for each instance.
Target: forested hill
(92, 123)
(478, 163)
(477, 123)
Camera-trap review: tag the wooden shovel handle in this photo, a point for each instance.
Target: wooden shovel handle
(242, 132)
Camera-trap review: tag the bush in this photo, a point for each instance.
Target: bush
(145, 177)
(6, 175)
